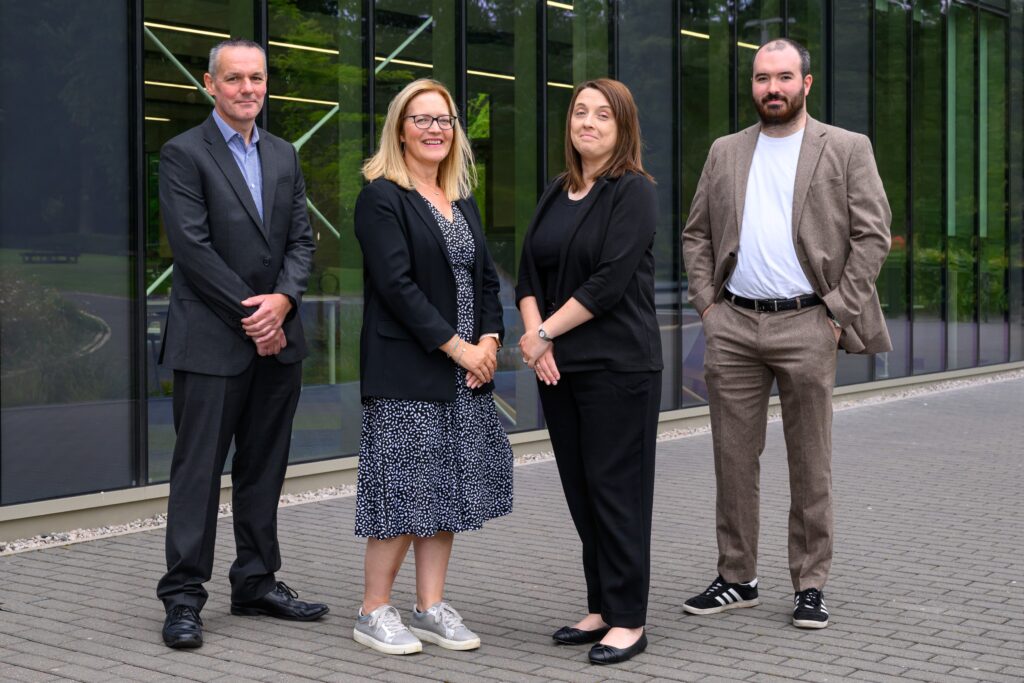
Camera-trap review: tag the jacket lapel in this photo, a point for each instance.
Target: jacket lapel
(810, 152)
(268, 167)
(744, 157)
(222, 155)
(419, 205)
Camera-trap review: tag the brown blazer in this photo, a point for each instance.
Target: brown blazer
(840, 226)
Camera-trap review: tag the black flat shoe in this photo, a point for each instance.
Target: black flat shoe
(183, 628)
(283, 603)
(567, 635)
(606, 654)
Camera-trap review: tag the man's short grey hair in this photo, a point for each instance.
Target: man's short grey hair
(781, 44)
(211, 67)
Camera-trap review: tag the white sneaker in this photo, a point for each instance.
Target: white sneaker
(443, 626)
(383, 630)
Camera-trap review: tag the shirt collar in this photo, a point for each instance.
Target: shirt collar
(228, 132)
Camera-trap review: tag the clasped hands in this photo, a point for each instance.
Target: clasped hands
(264, 326)
(480, 361)
(539, 356)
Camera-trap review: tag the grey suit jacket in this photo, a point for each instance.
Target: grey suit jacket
(224, 253)
(840, 226)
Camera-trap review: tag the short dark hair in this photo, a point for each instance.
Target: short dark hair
(805, 56)
(211, 66)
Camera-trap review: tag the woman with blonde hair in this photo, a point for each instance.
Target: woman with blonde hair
(433, 457)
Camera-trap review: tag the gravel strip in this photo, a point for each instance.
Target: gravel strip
(159, 521)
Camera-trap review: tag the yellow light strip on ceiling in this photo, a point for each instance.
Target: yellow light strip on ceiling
(694, 34)
(553, 84)
(156, 118)
(304, 100)
(308, 48)
(489, 74)
(560, 5)
(407, 62)
(185, 29)
(170, 85)
(748, 45)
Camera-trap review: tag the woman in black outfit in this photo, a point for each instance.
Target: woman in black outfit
(586, 296)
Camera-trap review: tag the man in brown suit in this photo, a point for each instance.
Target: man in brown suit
(787, 232)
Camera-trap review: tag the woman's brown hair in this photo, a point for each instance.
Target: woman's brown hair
(626, 155)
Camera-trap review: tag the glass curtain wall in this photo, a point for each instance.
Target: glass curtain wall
(68, 420)
(932, 82)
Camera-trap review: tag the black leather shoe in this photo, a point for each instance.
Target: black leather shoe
(183, 627)
(283, 603)
(567, 635)
(606, 654)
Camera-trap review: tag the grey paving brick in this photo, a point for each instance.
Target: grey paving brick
(898, 602)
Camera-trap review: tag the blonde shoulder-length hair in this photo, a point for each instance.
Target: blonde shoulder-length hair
(456, 174)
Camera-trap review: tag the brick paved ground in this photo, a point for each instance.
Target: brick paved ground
(927, 584)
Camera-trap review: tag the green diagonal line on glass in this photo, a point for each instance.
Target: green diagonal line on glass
(174, 60)
(316, 212)
(309, 133)
(184, 72)
(405, 44)
(159, 281)
(305, 138)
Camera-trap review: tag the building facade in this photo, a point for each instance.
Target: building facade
(90, 91)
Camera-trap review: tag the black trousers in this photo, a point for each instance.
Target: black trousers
(256, 409)
(603, 426)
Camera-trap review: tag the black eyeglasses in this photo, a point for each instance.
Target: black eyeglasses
(425, 121)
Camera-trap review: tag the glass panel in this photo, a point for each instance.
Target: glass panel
(851, 98)
(178, 37)
(67, 345)
(806, 24)
(891, 148)
(560, 82)
(705, 94)
(317, 84)
(501, 83)
(927, 238)
(993, 342)
(404, 50)
(647, 64)
(757, 22)
(962, 205)
(1016, 210)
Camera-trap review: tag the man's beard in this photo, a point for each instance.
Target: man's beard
(780, 117)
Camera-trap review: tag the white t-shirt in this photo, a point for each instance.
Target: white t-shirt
(767, 266)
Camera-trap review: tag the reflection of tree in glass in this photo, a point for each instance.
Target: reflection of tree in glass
(40, 333)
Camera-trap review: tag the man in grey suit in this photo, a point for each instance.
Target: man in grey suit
(233, 203)
(787, 232)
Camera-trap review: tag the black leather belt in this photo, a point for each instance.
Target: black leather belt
(774, 305)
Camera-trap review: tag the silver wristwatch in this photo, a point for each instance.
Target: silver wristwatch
(542, 333)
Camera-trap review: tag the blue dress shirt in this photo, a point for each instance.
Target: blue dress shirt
(247, 158)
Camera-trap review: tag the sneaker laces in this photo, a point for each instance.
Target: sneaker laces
(809, 599)
(446, 615)
(389, 621)
(714, 587)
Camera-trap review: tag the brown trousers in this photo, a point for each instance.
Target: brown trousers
(745, 351)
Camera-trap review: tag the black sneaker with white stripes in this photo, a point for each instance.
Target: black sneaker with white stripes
(809, 609)
(721, 596)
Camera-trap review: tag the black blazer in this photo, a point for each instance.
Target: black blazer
(224, 253)
(607, 264)
(409, 295)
